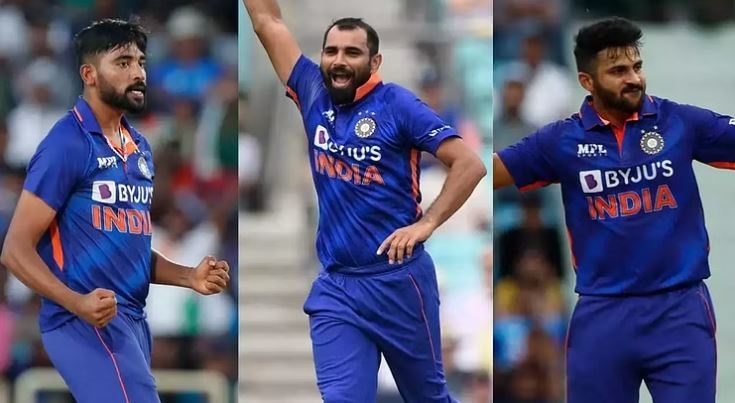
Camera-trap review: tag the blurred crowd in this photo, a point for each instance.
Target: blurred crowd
(533, 86)
(704, 13)
(192, 124)
(457, 84)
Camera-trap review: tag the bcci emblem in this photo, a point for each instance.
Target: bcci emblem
(652, 143)
(143, 167)
(365, 127)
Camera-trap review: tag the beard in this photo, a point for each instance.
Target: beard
(124, 100)
(621, 102)
(346, 94)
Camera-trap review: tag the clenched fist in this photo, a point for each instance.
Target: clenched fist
(211, 276)
(96, 308)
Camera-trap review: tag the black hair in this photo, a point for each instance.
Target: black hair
(348, 24)
(106, 35)
(610, 33)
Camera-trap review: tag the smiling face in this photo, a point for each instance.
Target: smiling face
(346, 63)
(120, 79)
(617, 81)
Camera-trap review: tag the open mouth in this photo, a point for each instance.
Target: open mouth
(137, 92)
(340, 79)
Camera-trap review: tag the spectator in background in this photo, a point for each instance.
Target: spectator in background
(215, 141)
(183, 233)
(548, 92)
(189, 332)
(189, 71)
(30, 121)
(468, 320)
(529, 299)
(514, 19)
(479, 388)
(431, 91)
(531, 233)
(527, 383)
(7, 327)
(13, 31)
(250, 163)
(11, 185)
(510, 126)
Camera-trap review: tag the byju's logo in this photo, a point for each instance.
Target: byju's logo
(321, 138)
(104, 192)
(591, 150)
(591, 181)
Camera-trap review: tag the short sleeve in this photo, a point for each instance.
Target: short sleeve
(715, 137)
(304, 83)
(57, 166)
(529, 160)
(423, 127)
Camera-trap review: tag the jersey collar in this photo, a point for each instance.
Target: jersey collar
(83, 114)
(590, 118)
(372, 83)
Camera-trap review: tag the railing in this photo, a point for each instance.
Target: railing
(4, 391)
(211, 384)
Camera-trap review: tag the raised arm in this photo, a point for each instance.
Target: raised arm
(501, 176)
(279, 43)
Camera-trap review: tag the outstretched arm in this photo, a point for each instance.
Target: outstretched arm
(465, 171)
(501, 176)
(209, 277)
(279, 43)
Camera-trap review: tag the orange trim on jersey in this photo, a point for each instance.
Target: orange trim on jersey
(571, 249)
(130, 146)
(56, 245)
(619, 131)
(534, 185)
(723, 165)
(292, 94)
(367, 87)
(415, 179)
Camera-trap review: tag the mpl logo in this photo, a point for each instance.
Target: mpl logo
(591, 181)
(106, 162)
(104, 192)
(591, 150)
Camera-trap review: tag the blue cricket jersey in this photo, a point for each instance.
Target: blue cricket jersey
(631, 201)
(364, 159)
(101, 235)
